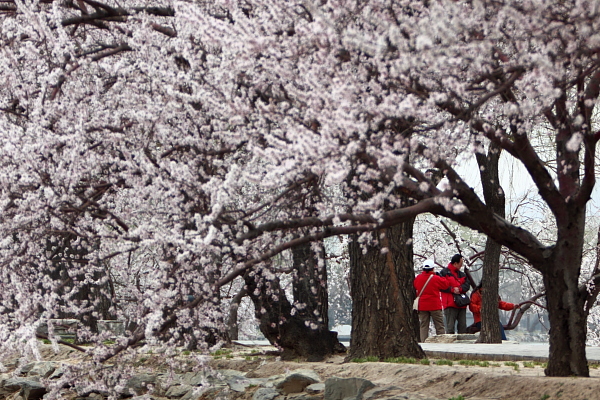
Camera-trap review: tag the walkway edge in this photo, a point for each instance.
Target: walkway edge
(449, 355)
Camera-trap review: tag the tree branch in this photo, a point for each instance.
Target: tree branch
(540, 175)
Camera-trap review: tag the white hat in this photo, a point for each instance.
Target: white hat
(428, 264)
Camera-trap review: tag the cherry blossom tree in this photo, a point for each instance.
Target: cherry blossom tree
(190, 129)
(383, 74)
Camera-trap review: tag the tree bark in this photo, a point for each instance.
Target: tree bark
(494, 198)
(384, 324)
(566, 303)
(232, 321)
(298, 336)
(310, 284)
(67, 260)
(490, 332)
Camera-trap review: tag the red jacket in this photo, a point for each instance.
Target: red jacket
(475, 305)
(456, 278)
(430, 299)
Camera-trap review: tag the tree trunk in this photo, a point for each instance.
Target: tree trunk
(568, 326)
(568, 319)
(494, 198)
(232, 321)
(384, 324)
(310, 284)
(298, 336)
(68, 260)
(490, 332)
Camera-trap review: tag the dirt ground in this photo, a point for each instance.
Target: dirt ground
(497, 380)
(525, 381)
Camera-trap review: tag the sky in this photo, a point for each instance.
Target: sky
(517, 184)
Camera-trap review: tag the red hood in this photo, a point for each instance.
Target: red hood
(452, 268)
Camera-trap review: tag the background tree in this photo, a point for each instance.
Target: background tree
(494, 199)
(297, 334)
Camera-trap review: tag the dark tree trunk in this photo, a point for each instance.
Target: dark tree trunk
(384, 324)
(297, 336)
(490, 331)
(197, 327)
(201, 333)
(494, 198)
(310, 284)
(68, 260)
(568, 325)
(566, 302)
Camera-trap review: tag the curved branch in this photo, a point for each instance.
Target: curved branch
(538, 172)
(71, 345)
(465, 193)
(137, 336)
(517, 313)
(367, 224)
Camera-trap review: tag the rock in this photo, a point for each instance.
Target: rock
(315, 388)
(138, 384)
(238, 385)
(33, 393)
(58, 372)
(196, 393)
(451, 338)
(177, 391)
(229, 373)
(5, 391)
(265, 394)
(194, 378)
(297, 381)
(307, 372)
(213, 393)
(164, 381)
(340, 388)
(14, 384)
(32, 390)
(92, 396)
(378, 392)
(237, 380)
(445, 338)
(24, 370)
(273, 381)
(43, 369)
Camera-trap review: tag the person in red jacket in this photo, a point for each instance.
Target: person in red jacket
(430, 302)
(475, 308)
(457, 279)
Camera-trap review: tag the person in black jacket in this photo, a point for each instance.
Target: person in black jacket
(453, 314)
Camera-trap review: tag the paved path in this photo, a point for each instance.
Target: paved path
(507, 351)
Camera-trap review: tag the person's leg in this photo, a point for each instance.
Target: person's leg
(450, 314)
(462, 320)
(446, 312)
(424, 325)
(502, 334)
(438, 322)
